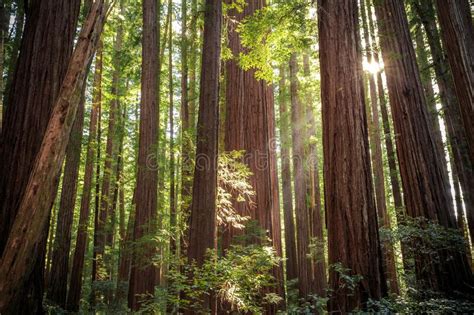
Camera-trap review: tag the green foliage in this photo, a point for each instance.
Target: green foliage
(233, 186)
(434, 304)
(273, 33)
(229, 278)
(425, 237)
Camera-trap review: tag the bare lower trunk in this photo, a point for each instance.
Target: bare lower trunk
(75, 282)
(457, 32)
(143, 272)
(57, 284)
(420, 167)
(349, 196)
(202, 229)
(22, 250)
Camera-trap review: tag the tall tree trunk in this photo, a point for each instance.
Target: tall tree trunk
(288, 217)
(57, 283)
(45, 51)
(22, 249)
(456, 133)
(319, 279)
(75, 281)
(300, 184)
(250, 126)
(202, 229)
(349, 198)
(421, 170)
(110, 150)
(186, 128)
(388, 257)
(458, 32)
(142, 278)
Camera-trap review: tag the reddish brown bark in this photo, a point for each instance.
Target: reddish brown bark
(388, 257)
(250, 126)
(45, 51)
(22, 249)
(143, 273)
(57, 283)
(202, 229)
(421, 171)
(288, 217)
(458, 32)
(349, 198)
(75, 281)
(456, 133)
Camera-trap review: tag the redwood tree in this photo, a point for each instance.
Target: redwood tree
(44, 55)
(423, 179)
(250, 126)
(23, 246)
(57, 283)
(142, 277)
(202, 229)
(349, 197)
(75, 281)
(458, 32)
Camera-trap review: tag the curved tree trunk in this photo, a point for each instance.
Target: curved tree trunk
(23, 248)
(45, 50)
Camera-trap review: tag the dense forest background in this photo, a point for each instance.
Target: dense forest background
(236, 156)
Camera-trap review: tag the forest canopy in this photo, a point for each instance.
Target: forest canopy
(236, 156)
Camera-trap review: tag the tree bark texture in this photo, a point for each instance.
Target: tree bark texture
(458, 37)
(349, 198)
(202, 229)
(421, 171)
(250, 126)
(142, 277)
(22, 249)
(45, 50)
(57, 283)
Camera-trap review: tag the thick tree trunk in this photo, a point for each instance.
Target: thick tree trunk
(300, 184)
(288, 217)
(388, 258)
(250, 126)
(456, 133)
(45, 50)
(75, 281)
(22, 249)
(202, 229)
(458, 33)
(57, 283)
(349, 197)
(143, 272)
(421, 170)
